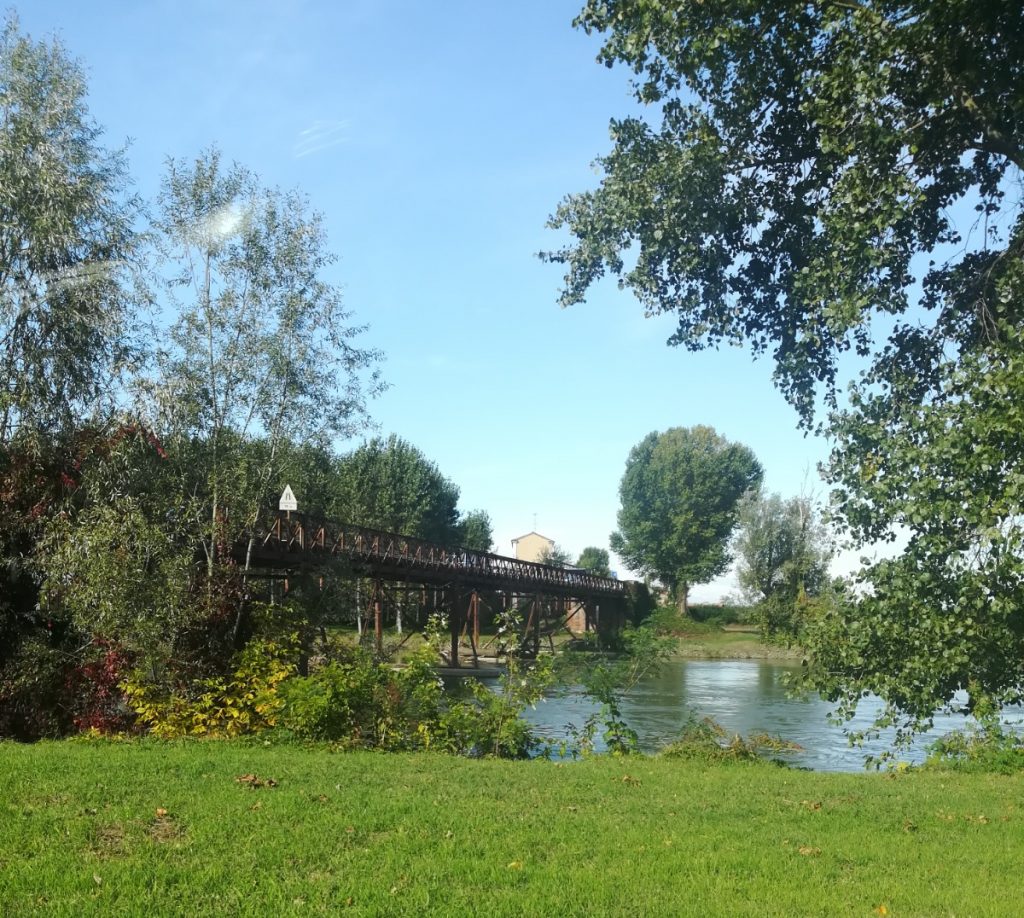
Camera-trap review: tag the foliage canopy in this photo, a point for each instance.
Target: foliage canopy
(804, 156)
(66, 243)
(679, 495)
(389, 484)
(595, 559)
(822, 178)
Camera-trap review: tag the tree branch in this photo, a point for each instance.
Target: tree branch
(996, 141)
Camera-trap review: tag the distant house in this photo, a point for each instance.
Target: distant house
(531, 546)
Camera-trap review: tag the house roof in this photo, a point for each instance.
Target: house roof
(539, 536)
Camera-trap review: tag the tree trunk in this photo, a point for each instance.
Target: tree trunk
(683, 594)
(211, 557)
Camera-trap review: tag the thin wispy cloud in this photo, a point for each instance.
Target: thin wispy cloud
(320, 136)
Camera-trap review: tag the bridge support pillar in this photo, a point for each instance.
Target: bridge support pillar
(538, 607)
(378, 623)
(474, 613)
(455, 599)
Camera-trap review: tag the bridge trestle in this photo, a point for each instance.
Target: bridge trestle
(549, 596)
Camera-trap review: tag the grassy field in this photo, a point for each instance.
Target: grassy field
(732, 645)
(221, 828)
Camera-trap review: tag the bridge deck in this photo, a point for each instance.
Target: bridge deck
(299, 540)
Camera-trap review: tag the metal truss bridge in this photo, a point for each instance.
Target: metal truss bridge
(299, 542)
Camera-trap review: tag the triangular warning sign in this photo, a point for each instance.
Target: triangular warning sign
(288, 501)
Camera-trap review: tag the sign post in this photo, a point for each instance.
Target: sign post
(288, 502)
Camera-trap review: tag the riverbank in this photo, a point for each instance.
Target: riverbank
(696, 641)
(225, 828)
(718, 644)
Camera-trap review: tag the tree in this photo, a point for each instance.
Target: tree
(783, 552)
(390, 485)
(805, 155)
(475, 531)
(554, 555)
(678, 505)
(259, 352)
(833, 177)
(781, 547)
(945, 612)
(67, 250)
(66, 243)
(117, 564)
(595, 560)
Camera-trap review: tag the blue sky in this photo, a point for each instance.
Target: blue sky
(436, 139)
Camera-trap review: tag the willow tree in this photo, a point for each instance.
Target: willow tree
(259, 350)
(66, 244)
(67, 251)
(833, 177)
(783, 552)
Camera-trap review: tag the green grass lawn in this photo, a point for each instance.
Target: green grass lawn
(154, 829)
(715, 644)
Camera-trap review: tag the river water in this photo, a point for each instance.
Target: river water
(744, 696)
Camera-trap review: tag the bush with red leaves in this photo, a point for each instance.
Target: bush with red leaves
(94, 687)
(44, 662)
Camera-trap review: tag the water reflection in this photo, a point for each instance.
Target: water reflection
(744, 696)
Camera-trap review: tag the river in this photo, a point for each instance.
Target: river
(744, 696)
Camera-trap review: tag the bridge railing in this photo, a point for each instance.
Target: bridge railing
(306, 535)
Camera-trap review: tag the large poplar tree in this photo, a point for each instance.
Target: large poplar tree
(679, 496)
(391, 485)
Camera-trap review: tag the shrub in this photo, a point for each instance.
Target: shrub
(608, 677)
(34, 699)
(725, 614)
(986, 747)
(669, 621)
(94, 686)
(246, 701)
(491, 723)
(784, 617)
(359, 702)
(57, 683)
